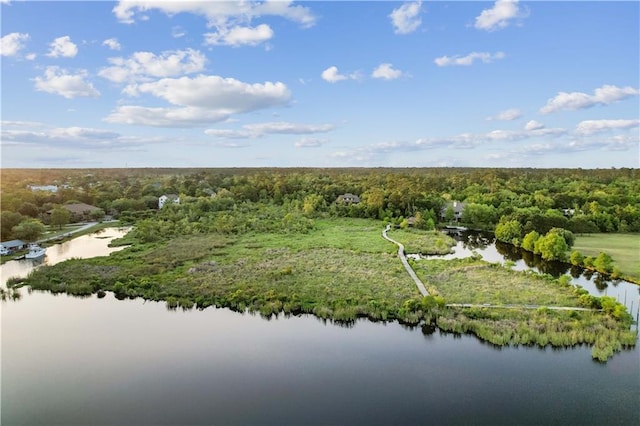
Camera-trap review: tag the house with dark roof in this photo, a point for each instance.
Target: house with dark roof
(457, 208)
(79, 211)
(348, 198)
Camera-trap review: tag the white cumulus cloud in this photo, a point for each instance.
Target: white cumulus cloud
(498, 16)
(604, 95)
(112, 43)
(12, 43)
(200, 100)
(406, 18)
(589, 127)
(216, 92)
(256, 130)
(165, 117)
(60, 82)
(217, 13)
(238, 36)
(332, 75)
(76, 138)
(507, 115)
(386, 71)
(142, 66)
(64, 47)
(282, 127)
(469, 59)
(533, 125)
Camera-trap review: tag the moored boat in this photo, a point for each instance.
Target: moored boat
(35, 252)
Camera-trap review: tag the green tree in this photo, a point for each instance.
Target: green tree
(576, 258)
(60, 217)
(552, 246)
(29, 209)
(509, 231)
(29, 230)
(449, 214)
(529, 240)
(581, 225)
(479, 215)
(373, 200)
(312, 204)
(430, 224)
(7, 221)
(603, 263)
(566, 234)
(97, 214)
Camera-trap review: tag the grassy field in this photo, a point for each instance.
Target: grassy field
(477, 282)
(623, 248)
(422, 241)
(341, 269)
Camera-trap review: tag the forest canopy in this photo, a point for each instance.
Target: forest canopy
(579, 200)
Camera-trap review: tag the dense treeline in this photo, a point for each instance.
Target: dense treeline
(601, 200)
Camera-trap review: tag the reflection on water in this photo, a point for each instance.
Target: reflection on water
(86, 246)
(494, 251)
(103, 361)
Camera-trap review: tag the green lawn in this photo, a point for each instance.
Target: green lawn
(623, 248)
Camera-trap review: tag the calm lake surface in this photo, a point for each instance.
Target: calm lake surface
(83, 361)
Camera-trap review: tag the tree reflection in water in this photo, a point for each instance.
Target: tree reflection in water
(600, 281)
(513, 253)
(473, 240)
(476, 241)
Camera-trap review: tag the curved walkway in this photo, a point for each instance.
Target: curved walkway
(403, 258)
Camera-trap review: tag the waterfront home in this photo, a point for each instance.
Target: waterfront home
(9, 247)
(457, 208)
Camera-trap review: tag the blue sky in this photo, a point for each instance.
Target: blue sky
(320, 84)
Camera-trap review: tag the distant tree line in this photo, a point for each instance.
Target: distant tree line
(576, 200)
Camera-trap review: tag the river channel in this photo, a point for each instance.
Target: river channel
(69, 360)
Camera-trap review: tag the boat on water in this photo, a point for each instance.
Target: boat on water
(35, 252)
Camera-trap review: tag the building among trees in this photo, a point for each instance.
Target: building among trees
(78, 212)
(164, 199)
(348, 198)
(452, 211)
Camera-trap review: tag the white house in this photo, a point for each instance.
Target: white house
(174, 198)
(47, 188)
(348, 198)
